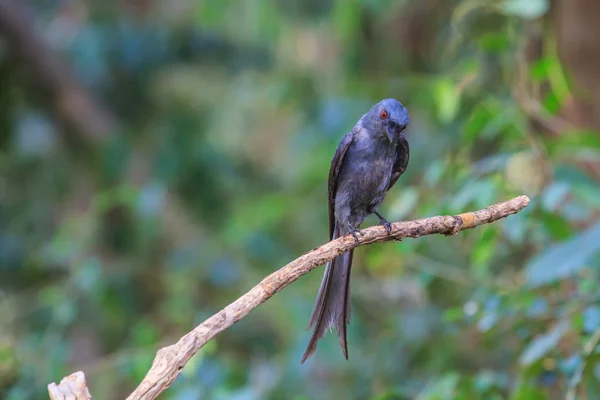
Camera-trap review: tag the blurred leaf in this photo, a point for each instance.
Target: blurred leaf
(529, 9)
(539, 69)
(346, 19)
(442, 389)
(494, 41)
(487, 321)
(477, 120)
(8, 360)
(488, 120)
(488, 380)
(453, 314)
(591, 319)
(572, 141)
(551, 103)
(483, 252)
(118, 195)
(477, 193)
(145, 333)
(557, 226)
(555, 194)
(569, 365)
(447, 100)
(528, 392)
(543, 344)
(212, 13)
(563, 260)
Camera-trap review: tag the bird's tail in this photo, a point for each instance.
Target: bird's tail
(332, 306)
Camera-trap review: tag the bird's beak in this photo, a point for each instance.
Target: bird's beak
(392, 132)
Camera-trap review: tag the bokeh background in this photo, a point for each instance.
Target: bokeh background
(159, 157)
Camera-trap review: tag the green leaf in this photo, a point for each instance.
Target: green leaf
(563, 260)
(543, 344)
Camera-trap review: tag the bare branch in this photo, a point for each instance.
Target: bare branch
(72, 387)
(170, 360)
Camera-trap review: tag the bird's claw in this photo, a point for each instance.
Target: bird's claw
(354, 232)
(382, 221)
(386, 224)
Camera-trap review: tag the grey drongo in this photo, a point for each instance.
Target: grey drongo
(367, 163)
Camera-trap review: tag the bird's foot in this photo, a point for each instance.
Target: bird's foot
(386, 224)
(382, 221)
(353, 231)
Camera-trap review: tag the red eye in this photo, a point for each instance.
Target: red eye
(383, 114)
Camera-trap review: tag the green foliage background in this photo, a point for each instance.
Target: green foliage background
(229, 113)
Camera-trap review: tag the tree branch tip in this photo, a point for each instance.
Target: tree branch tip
(523, 199)
(70, 387)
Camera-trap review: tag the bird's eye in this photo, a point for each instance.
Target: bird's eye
(383, 114)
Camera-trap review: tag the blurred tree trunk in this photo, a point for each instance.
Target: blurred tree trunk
(71, 102)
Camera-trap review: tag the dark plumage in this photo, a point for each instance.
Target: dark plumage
(367, 163)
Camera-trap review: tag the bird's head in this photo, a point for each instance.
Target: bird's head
(388, 116)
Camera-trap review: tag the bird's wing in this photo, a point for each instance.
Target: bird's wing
(402, 156)
(334, 170)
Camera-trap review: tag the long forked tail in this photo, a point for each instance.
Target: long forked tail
(332, 306)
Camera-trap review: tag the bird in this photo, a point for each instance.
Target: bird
(367, 163)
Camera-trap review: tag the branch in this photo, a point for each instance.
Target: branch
(72, 387)
(170, 360)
